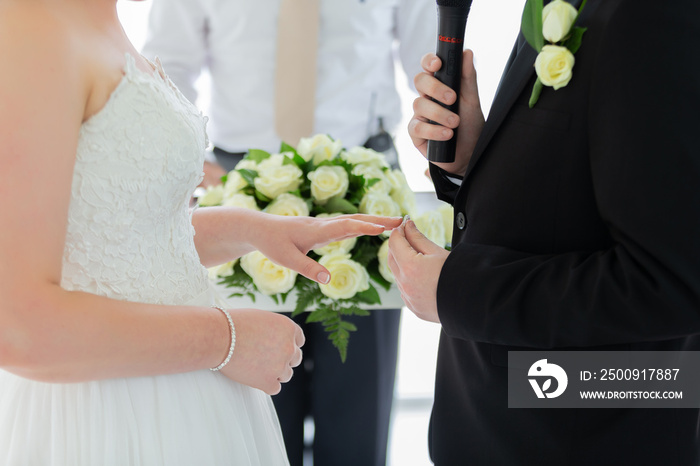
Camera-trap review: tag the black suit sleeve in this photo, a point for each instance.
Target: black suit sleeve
(644, 120)
(445, 189)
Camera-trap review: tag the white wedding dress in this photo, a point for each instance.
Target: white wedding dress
(130, 238)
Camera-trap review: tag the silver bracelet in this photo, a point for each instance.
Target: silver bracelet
(233, 339)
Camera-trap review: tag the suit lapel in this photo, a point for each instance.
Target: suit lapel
(512, 84)
(517, 74)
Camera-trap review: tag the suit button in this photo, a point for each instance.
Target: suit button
(461, 221)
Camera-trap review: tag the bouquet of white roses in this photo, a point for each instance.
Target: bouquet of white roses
(321, 178)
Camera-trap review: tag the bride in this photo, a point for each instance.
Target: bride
(107, 330)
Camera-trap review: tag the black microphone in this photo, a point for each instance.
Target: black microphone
(452, 21)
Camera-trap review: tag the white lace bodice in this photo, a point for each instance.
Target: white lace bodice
(139, 159)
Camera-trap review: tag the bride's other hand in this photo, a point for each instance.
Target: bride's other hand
(268, 347)
(287, 240)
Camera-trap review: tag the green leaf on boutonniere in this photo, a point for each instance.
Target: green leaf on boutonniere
(338, 204)
(580, 9)
(531, 25)
(248, 175)
(289, 160)
(536, 91)
(257, 155)
(573, 43)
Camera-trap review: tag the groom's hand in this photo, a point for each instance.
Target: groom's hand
(468, 123)
(416, 263)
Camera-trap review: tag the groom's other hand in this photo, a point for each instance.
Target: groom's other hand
(416, 263)
(468, 123)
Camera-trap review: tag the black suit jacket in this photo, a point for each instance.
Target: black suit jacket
(581, 230)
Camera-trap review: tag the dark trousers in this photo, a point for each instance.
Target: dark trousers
(227, 160)
(350, 402)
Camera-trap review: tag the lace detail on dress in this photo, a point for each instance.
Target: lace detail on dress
(138, 161)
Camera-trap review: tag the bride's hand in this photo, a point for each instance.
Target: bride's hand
(268, 346)
(287, 240)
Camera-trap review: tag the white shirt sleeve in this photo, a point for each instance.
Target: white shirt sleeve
(177, 34)
(416, 30)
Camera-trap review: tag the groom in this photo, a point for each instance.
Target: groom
(577, 226)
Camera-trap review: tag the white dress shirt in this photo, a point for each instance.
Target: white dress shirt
(235, 41)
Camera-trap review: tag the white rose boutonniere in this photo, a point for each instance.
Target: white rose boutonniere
(554, 23)
(558, 18)
(554, 66)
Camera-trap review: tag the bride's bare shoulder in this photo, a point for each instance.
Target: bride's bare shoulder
(35, 30)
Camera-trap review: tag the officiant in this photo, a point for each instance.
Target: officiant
(280, 71)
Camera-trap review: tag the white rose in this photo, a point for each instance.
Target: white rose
(234, 183)
(328, 181)
(431, 225)
(247, 164)
(362, 155)
(212, 196)
(406, 199)
(289, 205)
(448, 217)
(269, 277)
(383, 255)
(347, 276)
(241, 200)
(343, 246)
(557, 19)
(275, 178)
(223, 270)
(379, 204)
(554, 66)
(319, 148)
(370, 172)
